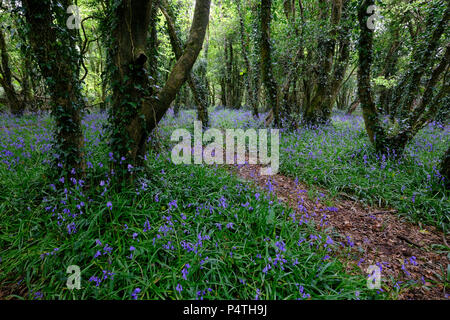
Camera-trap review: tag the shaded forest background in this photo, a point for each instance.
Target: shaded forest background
(296, 59)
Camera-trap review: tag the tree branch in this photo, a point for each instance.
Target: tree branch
(153, 112)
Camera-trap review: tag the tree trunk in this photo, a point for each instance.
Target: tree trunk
(14, 102)
(370, 114)
(26, 92)
(135, 113)
(213, 94)
(56, 53)
(409, 86)
(223, 92)
(198, 89)
(229, 84)
(411, 124)
(266, 61)
(332, 62)
(251, 94)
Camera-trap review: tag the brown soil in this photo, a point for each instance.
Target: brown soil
(7, 290)
(409, 255)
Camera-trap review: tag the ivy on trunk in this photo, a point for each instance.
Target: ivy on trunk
(415, 97)
(137, 107)
(54, 47)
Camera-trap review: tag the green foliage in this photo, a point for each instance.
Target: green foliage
(341, 158)
(224, 229)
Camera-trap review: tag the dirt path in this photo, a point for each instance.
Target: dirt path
(407, 254)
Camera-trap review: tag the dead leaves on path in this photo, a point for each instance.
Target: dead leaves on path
(408, 254)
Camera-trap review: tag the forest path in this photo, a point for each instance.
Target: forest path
(406, 253)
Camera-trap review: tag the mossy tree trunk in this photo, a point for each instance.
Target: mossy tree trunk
(412, 118)
(54, 47)
(249, 74)
(136, 108)
(332, 58)
(198, 89)
(266, 61)
(15, 103)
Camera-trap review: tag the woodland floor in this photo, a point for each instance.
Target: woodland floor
(407, 254)
(414, 258)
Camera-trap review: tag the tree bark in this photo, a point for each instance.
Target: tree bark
(135, 113)
(266, 61)
(332, 63)
(54, 48)
(406, 91)
(251, 93)
(395, 144)
(229, 85)
(199, 91)
(370, 114)
(26, 91)
(14, 102)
